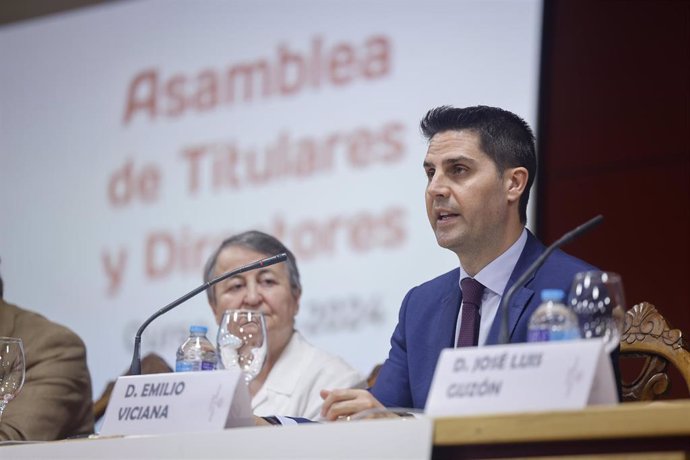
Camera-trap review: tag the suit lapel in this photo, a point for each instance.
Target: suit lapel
(533, 248)
(517, 306)
(450, 308)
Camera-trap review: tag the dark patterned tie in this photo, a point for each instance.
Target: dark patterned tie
(472, 291)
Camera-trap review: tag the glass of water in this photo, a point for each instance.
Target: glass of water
(597, 299)
(12, 370)
(242, 342)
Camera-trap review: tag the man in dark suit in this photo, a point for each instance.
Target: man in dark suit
(480, 165)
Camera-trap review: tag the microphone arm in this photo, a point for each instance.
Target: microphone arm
(135, 366)
(571, 235)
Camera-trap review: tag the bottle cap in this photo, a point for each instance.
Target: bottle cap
(556, 295)
(198, 329)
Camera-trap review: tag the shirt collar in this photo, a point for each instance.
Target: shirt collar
(496, 274)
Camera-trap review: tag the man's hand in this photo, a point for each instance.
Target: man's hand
(344, 403)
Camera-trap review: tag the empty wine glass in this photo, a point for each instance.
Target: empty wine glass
(11, 370)
(597, 300)
(242, 342)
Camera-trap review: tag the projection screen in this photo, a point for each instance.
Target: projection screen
(135, 136)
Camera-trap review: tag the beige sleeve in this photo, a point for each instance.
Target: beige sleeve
(56, 400)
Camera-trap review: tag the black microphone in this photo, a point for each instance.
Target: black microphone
(571, 235)
(135, 367)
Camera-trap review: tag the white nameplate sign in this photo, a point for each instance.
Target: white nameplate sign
(177, 403)
(523, 377)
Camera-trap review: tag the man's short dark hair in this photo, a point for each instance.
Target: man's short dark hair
(505, 137)
(262, 243)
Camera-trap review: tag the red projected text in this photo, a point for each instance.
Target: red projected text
(215, 167)
(152, 94)
(182, 252)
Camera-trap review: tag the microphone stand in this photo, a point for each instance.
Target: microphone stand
(135, 366)
(571, 235)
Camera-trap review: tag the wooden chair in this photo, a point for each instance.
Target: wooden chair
(648, 335)
(150, 364)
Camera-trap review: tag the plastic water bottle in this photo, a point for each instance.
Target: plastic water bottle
(196, 353)
(552, 320)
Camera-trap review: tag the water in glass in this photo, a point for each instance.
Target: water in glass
(242, 342)
(12, 369)
(597, 299)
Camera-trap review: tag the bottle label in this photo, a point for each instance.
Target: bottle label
(538, 335)
(545, 335)
(565, 334)
(208, 366)
(558, 335)
(184, 366)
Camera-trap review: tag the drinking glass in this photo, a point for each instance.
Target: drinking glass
(242, 342)
(12, 370)
(597, 300)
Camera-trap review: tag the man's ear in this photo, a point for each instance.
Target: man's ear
(516, 182)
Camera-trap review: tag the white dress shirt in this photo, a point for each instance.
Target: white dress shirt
(494, 277)
(302, 371)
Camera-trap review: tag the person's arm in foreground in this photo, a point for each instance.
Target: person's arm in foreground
(345, 403)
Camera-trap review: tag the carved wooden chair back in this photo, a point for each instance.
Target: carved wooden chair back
(648, 335)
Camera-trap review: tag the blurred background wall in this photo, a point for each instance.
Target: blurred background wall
(614, 118)
(614, 138)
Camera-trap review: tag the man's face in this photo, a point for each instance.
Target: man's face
(466, 198)
(266, 290)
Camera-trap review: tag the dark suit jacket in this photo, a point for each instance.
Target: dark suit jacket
(428, 316)
(55, 401)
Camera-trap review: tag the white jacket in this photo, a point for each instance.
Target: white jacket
(302, 371)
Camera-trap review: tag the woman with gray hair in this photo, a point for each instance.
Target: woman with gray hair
(295, 371)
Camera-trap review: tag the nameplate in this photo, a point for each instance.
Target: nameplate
(177, 403)
(525, 377)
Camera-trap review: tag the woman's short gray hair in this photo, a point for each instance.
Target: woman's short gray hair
(256, 241)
